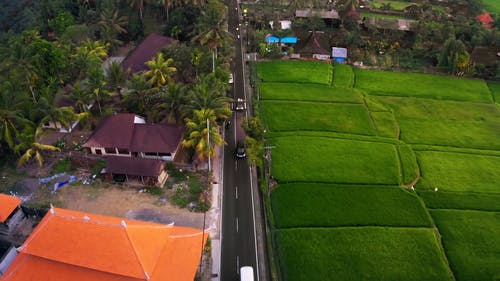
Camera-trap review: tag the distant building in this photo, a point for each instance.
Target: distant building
(323, 14)
(315, 45)
(339, 55)
(150, 172)
(148, 49)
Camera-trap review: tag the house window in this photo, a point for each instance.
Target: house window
(110, 150)
(123, 151)
(165, 154)
(98, 151)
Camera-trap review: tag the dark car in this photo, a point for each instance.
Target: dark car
(240, 152)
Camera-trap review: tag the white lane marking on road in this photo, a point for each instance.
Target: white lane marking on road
(254, 229)
(237, 225)
(236, 192)
(236, 165)
(238, 264)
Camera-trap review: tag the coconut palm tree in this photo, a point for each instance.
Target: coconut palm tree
(139, 5)
(173, 98)
(31, 148)
(11, 114)
(202, 134)
(138, 94)
(111, 24)
(160, 71)
(116, 76)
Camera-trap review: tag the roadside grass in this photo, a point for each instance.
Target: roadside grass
(395, 5)
(471, 243)
(461, 200)
(493, 6)
(387, 83)
(459, 172)
(315, 116)
(295, 71)
(329, 160)
(385, 123)
(409, 166)
(308, 92)
(343, 75)
(324, 205)
(361, 253)
(447, 123)
(495, 86)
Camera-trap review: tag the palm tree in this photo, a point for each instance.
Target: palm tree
(173, 99)
(206, 94)
(160, 71)
(199, 137)
(138, 94)
(81, 97)
(51, 113)
(137, 4)
(116, 76)
(31, 148)
(89, 54)
(11, 115)
(110, 25)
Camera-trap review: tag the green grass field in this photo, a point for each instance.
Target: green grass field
(495, 86)
(308, 92)
(381, 16)
(343, 75)
(408, 162)
(295, 72)
(449, 123)
(321, 205)
(459, 172)
(315, 159)
(315, 116)
(385, 123)
(389, 83)
(493, 6)
(361, 253)
(461, 200)
(395, 5)
(472, 243)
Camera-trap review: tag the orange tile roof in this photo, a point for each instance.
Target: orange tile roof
(94, 247)
(7, 205)
(486, 20)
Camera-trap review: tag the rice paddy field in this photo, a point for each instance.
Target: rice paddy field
(493, 6)
(381, 175)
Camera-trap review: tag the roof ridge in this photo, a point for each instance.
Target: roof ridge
(124, 226)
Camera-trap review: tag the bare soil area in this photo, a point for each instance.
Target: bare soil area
(124, 202)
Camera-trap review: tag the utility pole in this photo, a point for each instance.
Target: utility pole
(208, 143)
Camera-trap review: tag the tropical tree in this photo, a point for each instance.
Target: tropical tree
(89, 55)
(160, 71)
(31, 148)
(11, 114)
(116, 76)
(454, 57)
(138, 94)
(111, 24)
(211, 27)
(205, 96)
(173, 98)
(81, 96)
(202, 134)
(139, 5)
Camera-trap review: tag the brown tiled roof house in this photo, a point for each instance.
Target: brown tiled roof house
(149, 47)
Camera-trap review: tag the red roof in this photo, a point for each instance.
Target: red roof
(120, 131)
(156, 138)
(134, 166)
(148, 49)
(486, 20)
(72, 245)
(7, 205)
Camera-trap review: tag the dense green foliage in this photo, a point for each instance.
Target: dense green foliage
(361, 253)
(308, 92)
(298, 158)
(459, 171)
(322, 205)
(461, 200)
(471, 242)
(389, 83)
(339, 117)
(295, 72)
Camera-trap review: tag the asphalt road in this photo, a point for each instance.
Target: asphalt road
(238, 240)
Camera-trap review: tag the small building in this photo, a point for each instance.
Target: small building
(323, 14)
(129, 135)
(315, 45)
(339, 55)
(72, 245)
(149, 172)
(10, 213)
(149, 47)
(272, 39)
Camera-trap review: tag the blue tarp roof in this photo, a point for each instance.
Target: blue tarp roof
(289, 40)
(272, 39)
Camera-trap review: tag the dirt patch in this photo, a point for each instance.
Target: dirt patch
(126, 203)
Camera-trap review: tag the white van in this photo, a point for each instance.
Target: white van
(246, 273)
